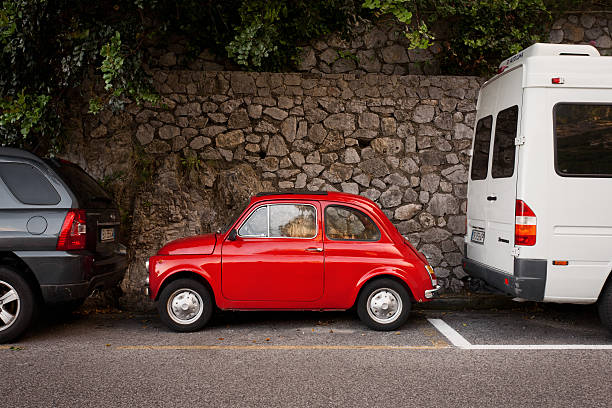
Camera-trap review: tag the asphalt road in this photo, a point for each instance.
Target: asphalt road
(310, 360)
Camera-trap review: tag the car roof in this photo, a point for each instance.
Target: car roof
(313, 195)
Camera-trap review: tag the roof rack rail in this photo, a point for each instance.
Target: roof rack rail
(272, 193)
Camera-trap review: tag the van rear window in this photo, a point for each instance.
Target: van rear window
(583, 139)
(503, 147)
(482, 143)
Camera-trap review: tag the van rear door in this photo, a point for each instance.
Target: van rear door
(492, 200)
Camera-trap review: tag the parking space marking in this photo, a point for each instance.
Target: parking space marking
(283, 347)
(451, 334)
(460, 342)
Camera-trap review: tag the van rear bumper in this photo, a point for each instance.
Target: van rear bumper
(528, 281)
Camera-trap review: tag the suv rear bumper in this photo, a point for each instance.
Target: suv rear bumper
(528, 281)
(65, 276)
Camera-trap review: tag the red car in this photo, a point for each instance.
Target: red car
(294, 251)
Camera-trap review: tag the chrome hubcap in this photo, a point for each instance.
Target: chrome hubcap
(10, 305)
(185, 306)
(384, 305)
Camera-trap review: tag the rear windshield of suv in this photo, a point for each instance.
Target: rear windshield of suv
(583, 139)
(87, 190)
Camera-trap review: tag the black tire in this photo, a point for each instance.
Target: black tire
(391, 293)
(18, 313)
(604, 306)
(190, 292)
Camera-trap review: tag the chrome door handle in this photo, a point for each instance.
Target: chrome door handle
(314, 249)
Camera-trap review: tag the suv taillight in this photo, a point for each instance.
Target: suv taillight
(524, 225)
(74, 231)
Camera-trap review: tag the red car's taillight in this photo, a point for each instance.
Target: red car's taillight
(74, 231)
(525, 225)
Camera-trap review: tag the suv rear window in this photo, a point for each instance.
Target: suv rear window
(503, 147)
(28, 184)
(482, 143)
(583, 139)
(88, 192)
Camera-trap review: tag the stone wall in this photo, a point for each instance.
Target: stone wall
(219, 137)
(382, 48)
(587, 28)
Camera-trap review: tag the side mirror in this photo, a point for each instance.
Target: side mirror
(232, 235)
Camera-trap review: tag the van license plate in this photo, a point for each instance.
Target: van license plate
(478, 236)
(107, 234)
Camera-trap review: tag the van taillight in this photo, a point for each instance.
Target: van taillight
(524, 225)
(74, 231)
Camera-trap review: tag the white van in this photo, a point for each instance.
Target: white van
(539, 219)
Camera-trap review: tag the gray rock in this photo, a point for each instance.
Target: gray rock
(269, 164)
(365, 134)
(387, 146)
(343, 65)
(555, 36)
(435, 235)
(408, 227)
(406, 212)
(307, 59)
(312, 170)
(462, 131)
(168, 132)
(317, 133)
(363, 179)
(443, 204)
(456, 224)
(254, 111)
(243, 83)
(340, 121)
(338, 172)
(374, 38)
(423, 113)
(432, 253)
(329, 56)
(275, 113)
(371, 193)
(145, 133)
(297, 158)
(410, 196)
(277, 146)
(300, 180)
(408, 165)
(351, 188)
(391, 198)
(430, 182)
(395, 54)
(314, 157)
(368, 61)
(396, 179)
(389, 127)
(369, 120)
(289, 128)
(374, 168)
(238, 119)
(230, 140)
(350, 156)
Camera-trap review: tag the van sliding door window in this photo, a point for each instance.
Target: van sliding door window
(503, 146)
(583, 140)
(482, 143)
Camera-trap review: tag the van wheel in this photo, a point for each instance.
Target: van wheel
(383, 304)
(185, 305)
(605, 306)
(17, 304)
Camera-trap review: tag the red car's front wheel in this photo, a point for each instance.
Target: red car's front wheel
(185, 305)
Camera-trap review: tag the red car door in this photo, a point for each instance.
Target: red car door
(277, 254)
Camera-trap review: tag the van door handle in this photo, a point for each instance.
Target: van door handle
(491, 198)
(314, 249)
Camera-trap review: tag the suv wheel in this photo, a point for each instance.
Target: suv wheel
(383, 304)
(185, 305)
(17, 304)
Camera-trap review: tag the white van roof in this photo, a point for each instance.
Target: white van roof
(549, 50)
(559, 65)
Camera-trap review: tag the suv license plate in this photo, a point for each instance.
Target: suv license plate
(478, 236)
(107, 234)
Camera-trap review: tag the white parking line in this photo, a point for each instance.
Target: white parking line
(459, 341)
(451, 334)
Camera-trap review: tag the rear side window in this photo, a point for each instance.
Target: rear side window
(503, 146)
(583, 139)
(87, 190)
(482, 143)
(28, 184)
(348, 224)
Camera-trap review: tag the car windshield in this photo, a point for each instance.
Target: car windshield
(226, 226)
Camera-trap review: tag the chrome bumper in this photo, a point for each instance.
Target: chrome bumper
(431, 293)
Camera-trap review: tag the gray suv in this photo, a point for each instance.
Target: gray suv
(58, 238)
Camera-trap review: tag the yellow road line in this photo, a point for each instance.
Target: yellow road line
(5, 347)
(279, 347)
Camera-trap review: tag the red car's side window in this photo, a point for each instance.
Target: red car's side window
(281, 221)
(344, 223)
